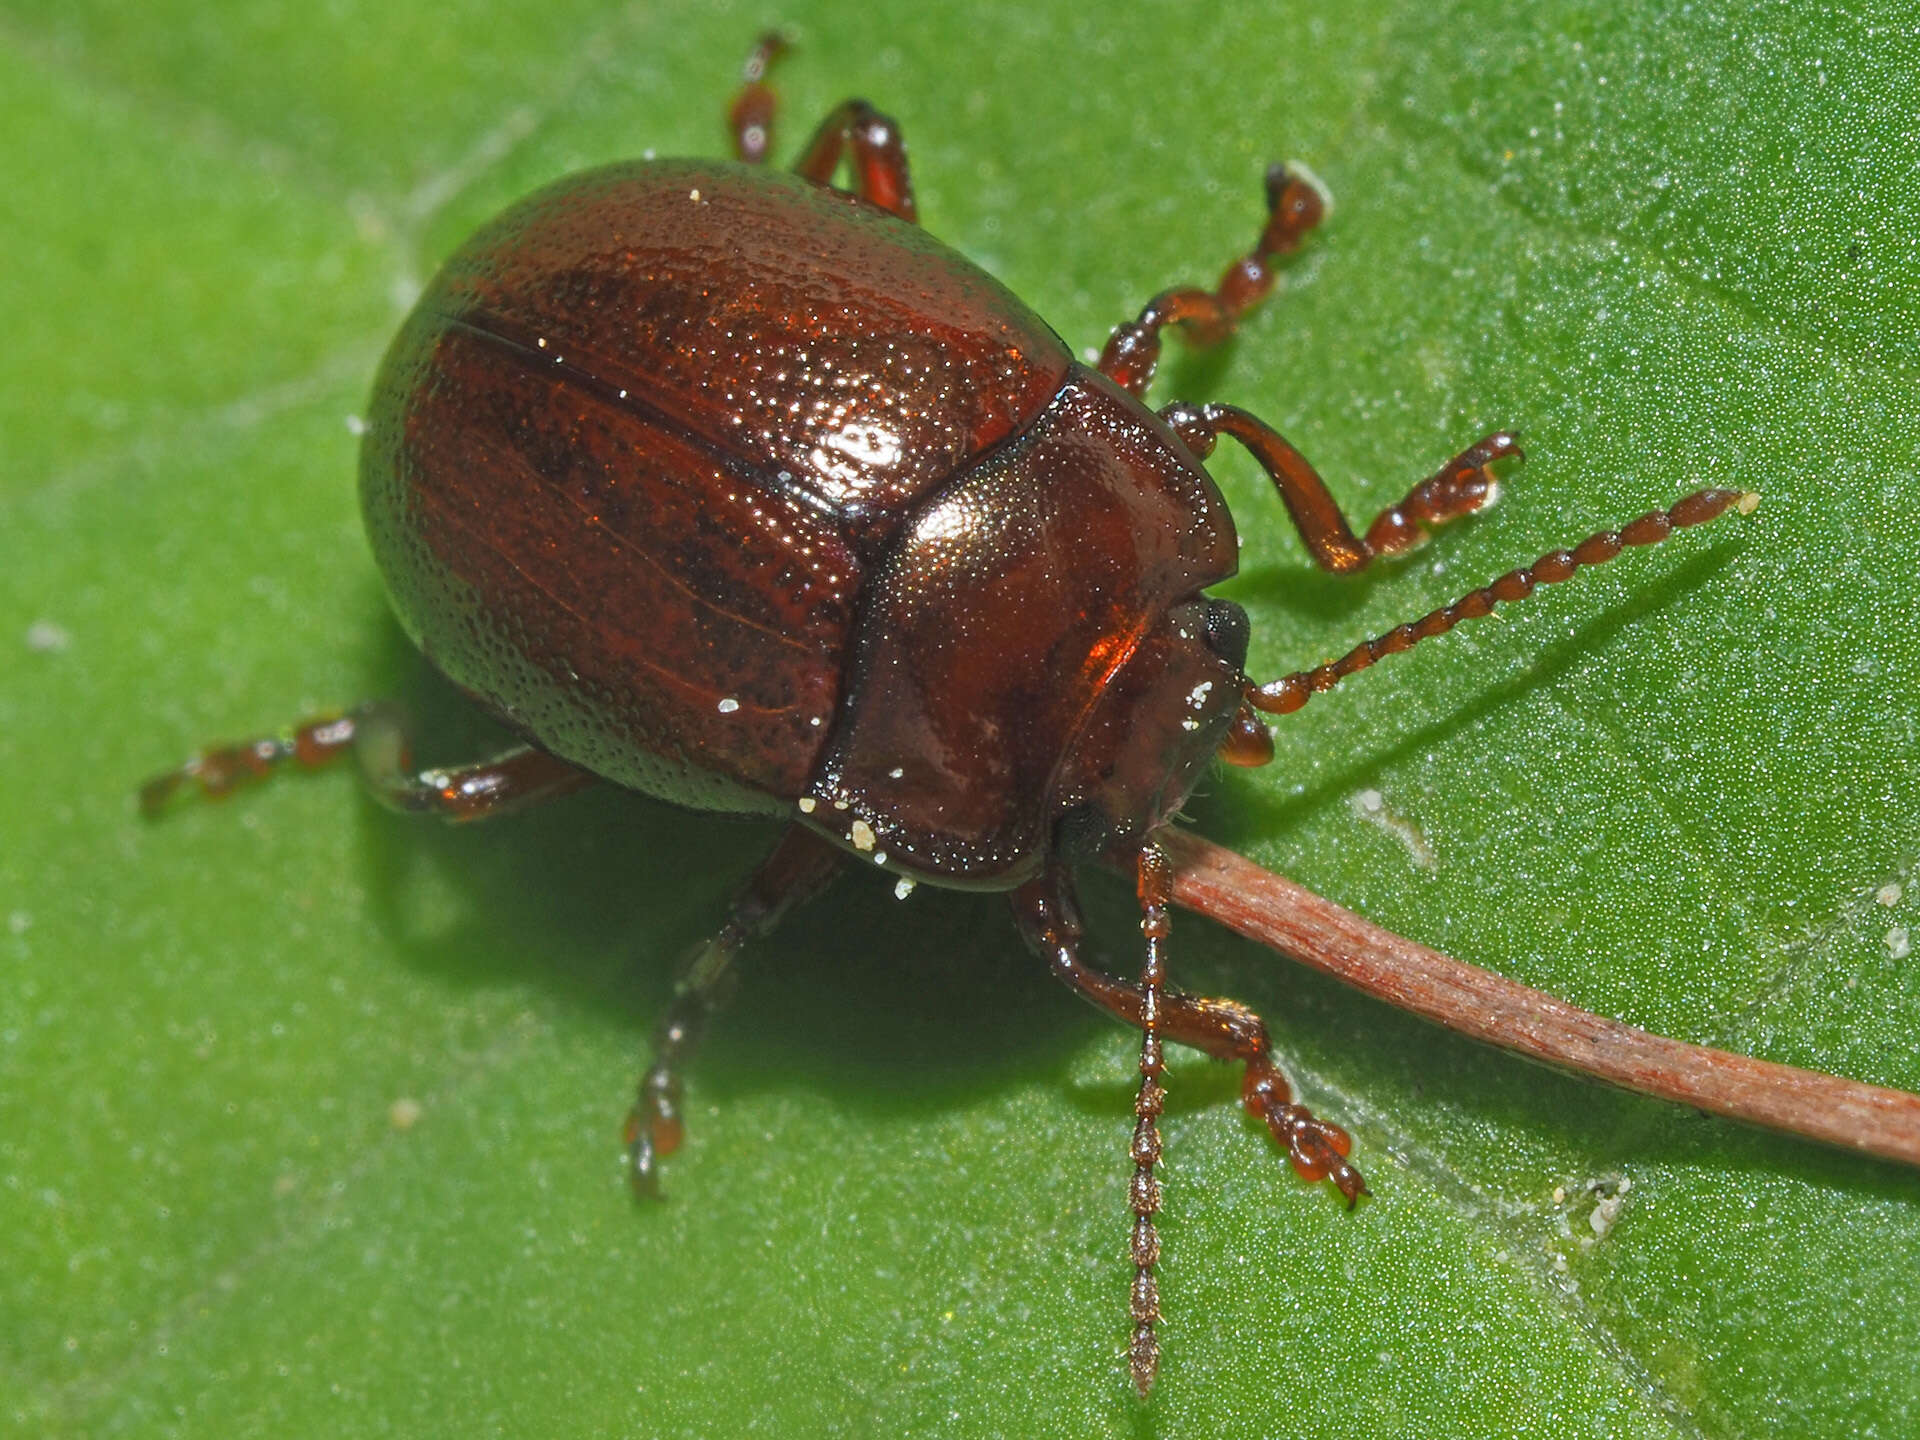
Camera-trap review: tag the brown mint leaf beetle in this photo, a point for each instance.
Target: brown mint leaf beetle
(738, 489)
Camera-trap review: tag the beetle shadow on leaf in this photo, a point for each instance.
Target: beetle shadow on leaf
(1196, 372)
(1249, 809)
(598, 897)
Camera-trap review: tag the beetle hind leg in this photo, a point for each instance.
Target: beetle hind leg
(377, 735)
(800, 867)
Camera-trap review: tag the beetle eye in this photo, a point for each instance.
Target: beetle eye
(1227, 632)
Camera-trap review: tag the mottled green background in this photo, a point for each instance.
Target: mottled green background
(1672, 249)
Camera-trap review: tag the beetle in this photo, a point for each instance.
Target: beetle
(738, 489)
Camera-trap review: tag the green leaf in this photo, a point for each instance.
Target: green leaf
(308, 1115)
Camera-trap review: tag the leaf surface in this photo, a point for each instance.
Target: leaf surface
(308, 1115)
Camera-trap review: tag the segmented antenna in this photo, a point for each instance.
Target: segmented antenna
(1290, 692)
(1143, 1195)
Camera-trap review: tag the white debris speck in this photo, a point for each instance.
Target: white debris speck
(806, 803)
(1371, 806)
(902, 888)
(1559, 1194)
(356, 425)
(1605, 1213)
(1198, 697)
(895, 773)
(861, 834)
(694, 195)
(1189, 724)
(816, 722)
(623, 394)
(1298, 169)
(541, 342)
(1889, 894)
(879, 857)
(1899, 943)
(839, 804)
(45, 638)
(729, 705)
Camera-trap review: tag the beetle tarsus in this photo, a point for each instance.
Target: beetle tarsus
(750, 116)
(1316, 1148)
(1463, 485)
(378, 735)
(654, 1129)
(219, 770)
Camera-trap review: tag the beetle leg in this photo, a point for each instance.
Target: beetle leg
(377, 735)
(1295, 204)
(1464, 484)
(1049, 920)
(879, 157)
(798, 869)
(750, 116)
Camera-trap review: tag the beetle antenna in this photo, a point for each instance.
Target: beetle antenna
(1143, 1195)
(1290, 692)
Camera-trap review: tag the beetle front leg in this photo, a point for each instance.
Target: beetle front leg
(377, 735)
(750, 116)
(1464, 484)
(1294, 206)
(1049, 919)
(799, 868)
(879, 157)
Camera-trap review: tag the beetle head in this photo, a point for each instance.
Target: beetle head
(1158, 724)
